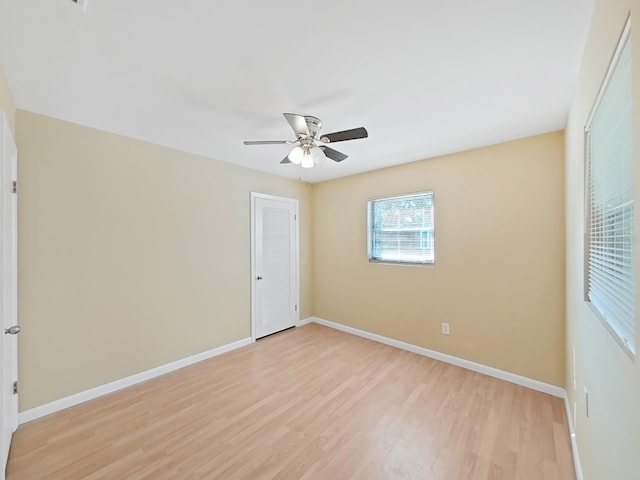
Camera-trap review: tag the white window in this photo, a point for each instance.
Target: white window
(610, 279)
(401, 229)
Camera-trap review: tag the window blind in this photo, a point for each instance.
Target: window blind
(610, 211)
(401, 229)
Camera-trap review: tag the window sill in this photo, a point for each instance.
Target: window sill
(401, 264)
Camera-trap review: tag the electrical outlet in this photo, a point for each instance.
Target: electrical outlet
(445, 329)
(586, 401)
(573, 365)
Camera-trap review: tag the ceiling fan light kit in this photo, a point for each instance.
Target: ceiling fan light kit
(306, 153)
(307, 160)
(295, 156)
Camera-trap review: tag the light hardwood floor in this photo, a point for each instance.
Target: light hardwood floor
(307, 403)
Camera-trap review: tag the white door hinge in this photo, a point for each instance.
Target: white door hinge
(14, 186)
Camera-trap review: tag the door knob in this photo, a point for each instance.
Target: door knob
(259, 277)
(12, 330)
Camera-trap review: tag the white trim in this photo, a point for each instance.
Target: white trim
(252, 253)
(460, 362)
(624, 36)
(469, 365)
(572, 435)
(70, 401)
(8, 288)
(305, 321)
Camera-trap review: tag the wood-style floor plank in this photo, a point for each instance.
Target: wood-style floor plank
(308, 403)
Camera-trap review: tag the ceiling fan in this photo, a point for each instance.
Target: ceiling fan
(307, 129)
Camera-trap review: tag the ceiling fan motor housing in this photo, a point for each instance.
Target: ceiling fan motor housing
(307, 129)
(313, 124)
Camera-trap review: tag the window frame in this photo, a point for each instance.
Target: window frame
(375, 260)
(623, 40)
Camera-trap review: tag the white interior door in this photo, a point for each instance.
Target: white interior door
(274, 254)
(8, 287)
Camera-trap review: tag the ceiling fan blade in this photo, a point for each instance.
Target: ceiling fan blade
(298, 123)
(266, 142)
(285, 160)
(334, 155)
(352, 134)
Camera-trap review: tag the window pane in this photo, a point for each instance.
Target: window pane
(401, 229)
(610, 228)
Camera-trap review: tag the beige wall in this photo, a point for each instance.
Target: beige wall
(6, 100)
(131, 255)
(609, 440)
(499, 272)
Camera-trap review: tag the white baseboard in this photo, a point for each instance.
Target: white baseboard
(572, 436)
(70, 401)
(476, 367)
(305, 321)
(460, 362)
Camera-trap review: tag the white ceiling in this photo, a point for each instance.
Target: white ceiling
(425, 77)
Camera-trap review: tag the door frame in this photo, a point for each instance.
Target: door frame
(296, 283)
(8, 282)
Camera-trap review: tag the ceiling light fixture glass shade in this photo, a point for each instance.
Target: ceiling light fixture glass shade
(307, 160)
(317, 155)
(295, 156)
